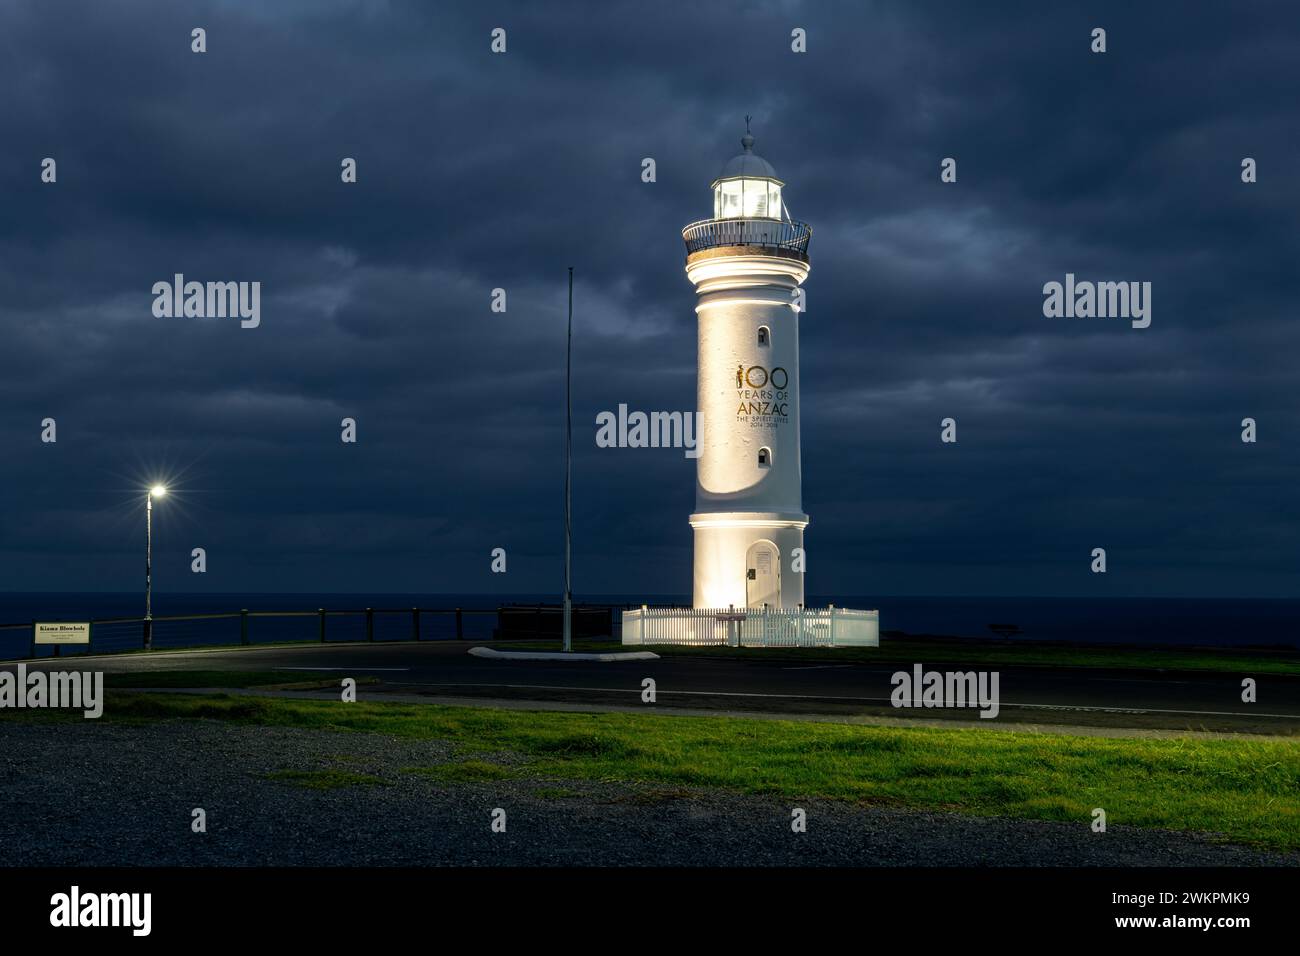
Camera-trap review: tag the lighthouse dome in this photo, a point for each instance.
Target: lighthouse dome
(747, 165)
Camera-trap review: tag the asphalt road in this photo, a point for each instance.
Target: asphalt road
(1034, 695)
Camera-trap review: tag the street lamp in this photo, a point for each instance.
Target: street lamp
(157, 491)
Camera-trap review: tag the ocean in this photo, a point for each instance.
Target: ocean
(1240, 623)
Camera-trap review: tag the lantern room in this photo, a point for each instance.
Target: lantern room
(748, 187)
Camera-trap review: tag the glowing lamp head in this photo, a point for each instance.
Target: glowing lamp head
(157, 491)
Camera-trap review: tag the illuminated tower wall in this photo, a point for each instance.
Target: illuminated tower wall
(747, 264)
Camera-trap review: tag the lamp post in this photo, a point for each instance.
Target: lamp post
(157, 491)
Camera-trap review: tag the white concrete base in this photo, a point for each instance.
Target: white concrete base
(562, 656)
(749, 627)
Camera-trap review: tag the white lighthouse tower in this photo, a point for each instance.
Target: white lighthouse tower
(747, 264)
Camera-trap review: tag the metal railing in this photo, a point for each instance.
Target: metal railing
(752, 627)
(785, 235)
(321, 625)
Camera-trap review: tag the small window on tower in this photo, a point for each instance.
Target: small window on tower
(764, 457)
(764, 336)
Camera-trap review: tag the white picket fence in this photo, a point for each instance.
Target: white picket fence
(752, 627)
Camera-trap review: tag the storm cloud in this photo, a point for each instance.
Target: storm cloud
(479, 171)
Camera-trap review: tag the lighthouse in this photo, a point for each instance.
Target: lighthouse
(748, 264)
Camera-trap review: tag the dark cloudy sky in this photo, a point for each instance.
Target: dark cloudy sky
(479, 171)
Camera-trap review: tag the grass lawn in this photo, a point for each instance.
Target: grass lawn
(1246, 789)
(925, 650)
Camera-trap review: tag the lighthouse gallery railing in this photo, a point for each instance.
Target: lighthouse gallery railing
(768, 233)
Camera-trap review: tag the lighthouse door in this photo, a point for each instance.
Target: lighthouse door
(763, 575)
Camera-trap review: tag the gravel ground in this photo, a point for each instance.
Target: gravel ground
(91, 794)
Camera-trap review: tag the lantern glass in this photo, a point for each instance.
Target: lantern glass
(747, 199)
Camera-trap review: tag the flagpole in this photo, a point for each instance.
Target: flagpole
(568, 469)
